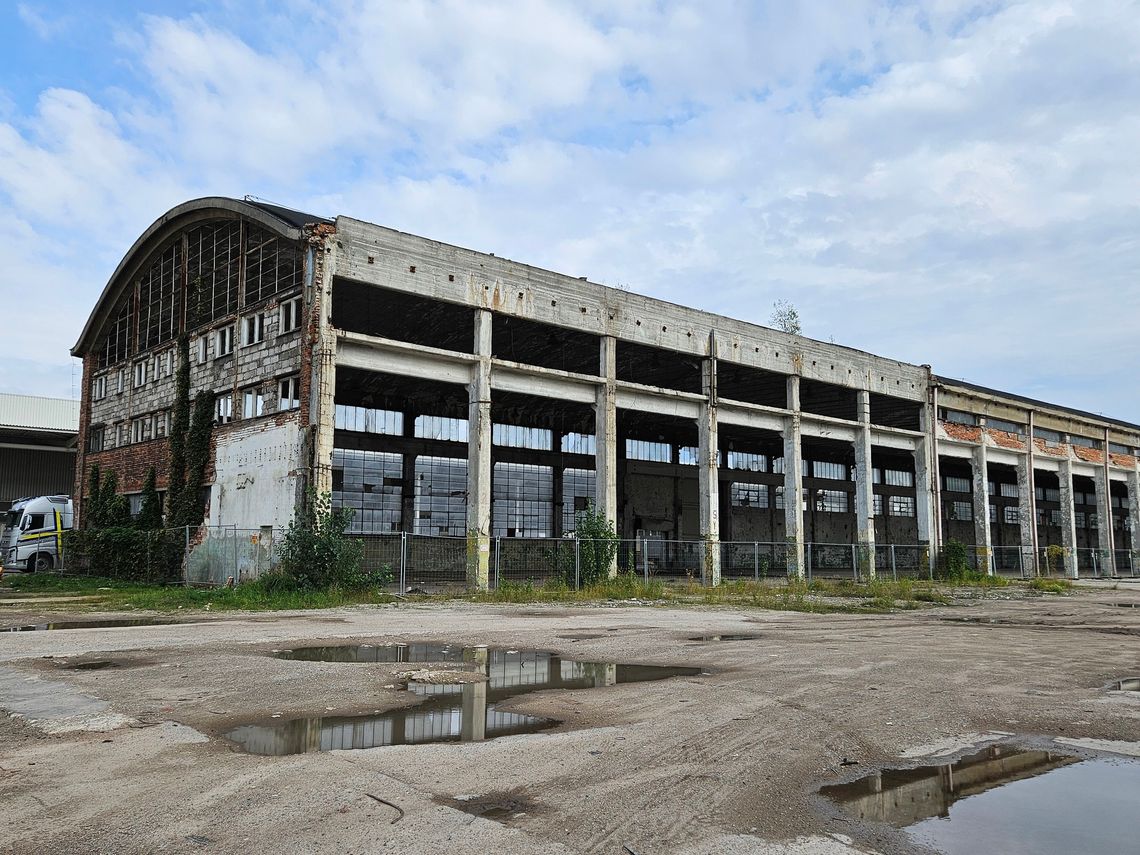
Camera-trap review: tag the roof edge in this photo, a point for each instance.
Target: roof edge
(262, 213)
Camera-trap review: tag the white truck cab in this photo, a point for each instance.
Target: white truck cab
(33, 533)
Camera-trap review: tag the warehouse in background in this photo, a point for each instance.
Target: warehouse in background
(467, 407)
(37, 447)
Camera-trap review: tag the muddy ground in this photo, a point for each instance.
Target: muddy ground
(130, 756)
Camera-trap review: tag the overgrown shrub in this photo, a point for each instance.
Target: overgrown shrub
(954, 562)
(126, 553)
(316, 554)
(597, 546)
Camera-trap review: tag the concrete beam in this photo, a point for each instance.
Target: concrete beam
(793, 483)
(479, 458)
(371, 353)
(379, 256)
(750, 415)
(682, 405)
(543, 382)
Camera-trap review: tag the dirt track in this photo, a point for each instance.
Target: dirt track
(727, 762)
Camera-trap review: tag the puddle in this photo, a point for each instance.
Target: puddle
(497, 806)
(376, 653)
(1004, 799)
(725, 637)
(450, 712)
(1128, 684)
(90, 624)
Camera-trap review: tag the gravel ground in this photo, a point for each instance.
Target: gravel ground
(131, 756)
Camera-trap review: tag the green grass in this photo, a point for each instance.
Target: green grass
(250, 596)
(820, 596)
(1050, 586)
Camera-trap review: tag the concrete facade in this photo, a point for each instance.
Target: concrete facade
(449, 393)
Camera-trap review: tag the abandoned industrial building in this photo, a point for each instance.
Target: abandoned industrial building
(459, 402)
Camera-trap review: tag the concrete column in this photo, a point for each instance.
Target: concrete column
(605, 438)
(1068, 518)
(1104, 521)
(1134, 517)
(708, 474)
(322, 397)
(1025, 516)
(924, 487)
(864, 489)
(479, 458)
(793, 483)
(982, 542)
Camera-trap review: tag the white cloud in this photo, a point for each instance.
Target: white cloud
(943, 182)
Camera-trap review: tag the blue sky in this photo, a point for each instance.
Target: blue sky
(953, 183)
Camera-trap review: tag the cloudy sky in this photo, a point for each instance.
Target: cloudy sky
(943, 182)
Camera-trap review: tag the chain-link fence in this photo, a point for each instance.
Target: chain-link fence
(213, 555)
(218, 555)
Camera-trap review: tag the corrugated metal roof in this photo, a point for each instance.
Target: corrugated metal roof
(32, 413)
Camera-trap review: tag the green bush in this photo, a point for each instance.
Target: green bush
(597, 547)
(126, 553)
(315, 553)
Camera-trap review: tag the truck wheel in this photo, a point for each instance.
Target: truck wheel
(40, 561)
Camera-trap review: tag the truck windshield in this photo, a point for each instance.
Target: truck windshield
(13, 519)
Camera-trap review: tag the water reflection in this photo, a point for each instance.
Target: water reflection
(91, 624)
(466, 712)
(902, 797)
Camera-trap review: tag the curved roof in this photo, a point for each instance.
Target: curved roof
(283, 221)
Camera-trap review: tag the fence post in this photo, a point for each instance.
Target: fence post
(894, 567)
(1021, 563)
(237, 570)
(645, 559)
(403, 562)
(855, 561)
(756, 559)
(498, 549)
(807, 551)
(577, 563)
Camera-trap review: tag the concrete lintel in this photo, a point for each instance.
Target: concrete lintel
(750, 415)
(890, 440)
(632, 396)
(958, 452)
(840, 433)
(1004, 456)
(543, 384)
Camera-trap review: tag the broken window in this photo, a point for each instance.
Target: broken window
(367, 420)
(518, 436)
(371, 484)
(522, 500)
(748, 495)
(655, 452)
(253, 404)
(831, 501)
(95, 438)
(271, 265)
(159, 290)
(213, 263)
(900, 506)
(441, 496)
(290, 394)
(289, 316)
(747, 461)
(577, 495)
(224, 409)
(579, 443)
(253, 330)
(223, 342)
